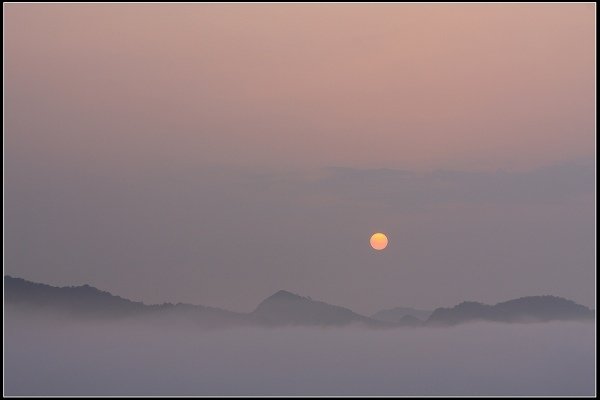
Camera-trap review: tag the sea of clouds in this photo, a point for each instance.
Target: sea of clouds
(74, 358)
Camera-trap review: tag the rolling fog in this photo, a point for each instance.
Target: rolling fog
(74, 358)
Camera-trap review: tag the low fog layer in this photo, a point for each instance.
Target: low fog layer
(69, 358)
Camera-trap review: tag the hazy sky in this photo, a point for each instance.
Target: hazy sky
(214, 154)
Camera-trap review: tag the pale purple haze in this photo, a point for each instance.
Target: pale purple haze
(473, 359)
(214, 154)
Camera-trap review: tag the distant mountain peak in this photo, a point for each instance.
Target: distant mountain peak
(287, 308)
(284, 295)
(397, 314)
(523, 309)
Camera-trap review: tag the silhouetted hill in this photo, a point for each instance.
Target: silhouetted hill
(396, 314)
(285, 308)
(282, 308)
(76, 300)
(525, 309)
(88, 302)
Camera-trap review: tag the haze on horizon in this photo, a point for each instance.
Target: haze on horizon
(216, 153)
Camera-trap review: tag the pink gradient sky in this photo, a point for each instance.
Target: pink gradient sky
(387, 85)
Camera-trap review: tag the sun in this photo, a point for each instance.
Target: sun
(379, 241)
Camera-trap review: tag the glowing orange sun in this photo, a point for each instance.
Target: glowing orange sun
(379, 241)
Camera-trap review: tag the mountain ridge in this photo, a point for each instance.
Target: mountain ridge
(280, 309)
(523, 309)
(287, 308)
